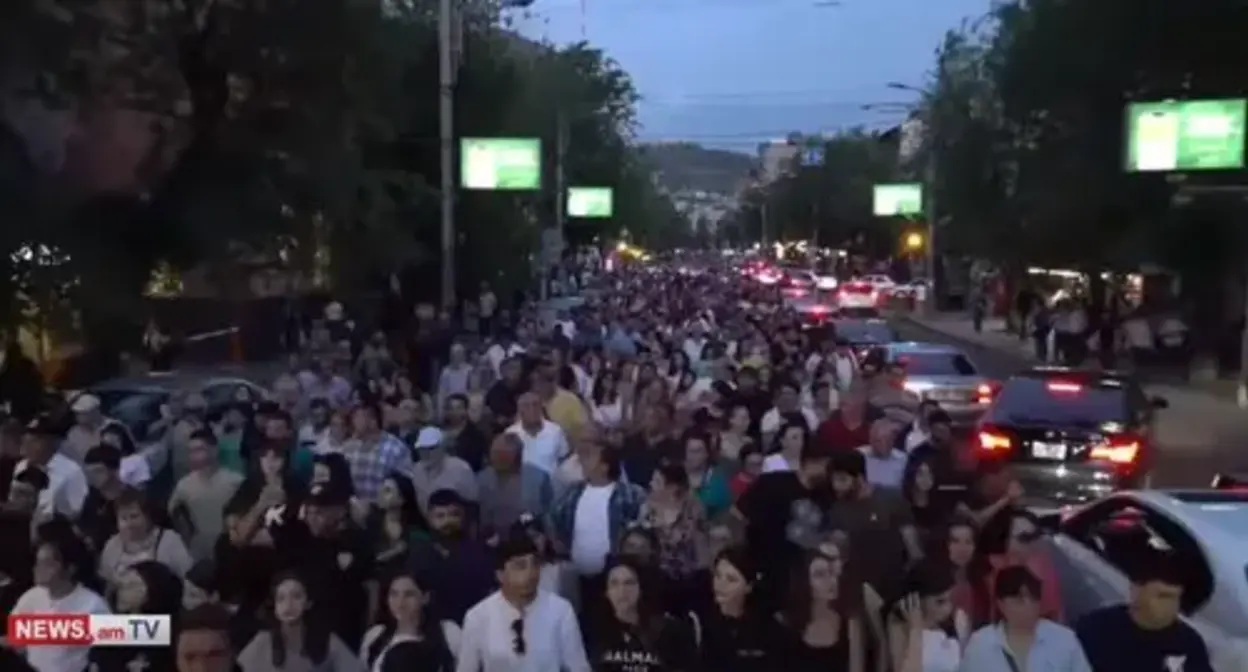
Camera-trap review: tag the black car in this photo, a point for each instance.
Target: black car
(863, 335)
(1070, 436)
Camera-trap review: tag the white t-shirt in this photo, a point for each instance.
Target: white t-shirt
(80, 600)
(777, 462)
(770, 424)
(545, 449)
(591, 535)
(497, 354)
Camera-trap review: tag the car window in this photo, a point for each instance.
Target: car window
(1045, 401)
(1125, 535)
(936, 364)
(864, 332)
(220, 394)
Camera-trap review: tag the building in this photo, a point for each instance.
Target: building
(777, 158)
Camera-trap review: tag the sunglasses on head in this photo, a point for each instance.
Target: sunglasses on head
(517, 637)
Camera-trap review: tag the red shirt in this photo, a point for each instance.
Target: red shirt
(834, 434)
(739, 484)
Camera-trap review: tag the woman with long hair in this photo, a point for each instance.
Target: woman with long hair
(918, 487)
(270, 494)
(733, 634)
(144, 588)
(787, 452)
(822, 616)
(635, 634)
(406, 617)
(395, 521)
(295, 640)
(707, 482)
(736, 433)
(956, 543)
(607, 402)
(1011, 539)
(926, 631)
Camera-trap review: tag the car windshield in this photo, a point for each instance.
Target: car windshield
(864, 332)
(936, 364)
(1038, 401)
(136, 409)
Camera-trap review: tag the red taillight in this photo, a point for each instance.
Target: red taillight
(1063, 387)
(1123, 449)
(993, 442)
(984, 393)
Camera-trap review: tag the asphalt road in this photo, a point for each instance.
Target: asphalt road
(1198, 436)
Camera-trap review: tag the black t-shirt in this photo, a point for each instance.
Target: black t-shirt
(17, 559)
(338, 570)
(874, 525)
(783, 517)
(98, 520)
(668, 645)
(751, 644)
(1114, 643)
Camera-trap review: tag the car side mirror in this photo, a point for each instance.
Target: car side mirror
(1159, 403)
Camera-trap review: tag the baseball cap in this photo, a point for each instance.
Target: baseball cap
(429, 437)
(86, 403)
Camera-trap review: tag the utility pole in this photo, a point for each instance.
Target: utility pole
(929, 202)
(446, 134)
(553, 254)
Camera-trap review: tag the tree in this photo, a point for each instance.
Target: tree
(832, 201)
(279, 129)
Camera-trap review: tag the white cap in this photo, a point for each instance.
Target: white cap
(86, 403)
(429, 437)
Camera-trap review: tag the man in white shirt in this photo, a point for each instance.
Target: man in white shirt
(788, 403)
(67, 484)
(57, 565)
(545, 444)
(885, 463)
(520, 628)
(504, 348)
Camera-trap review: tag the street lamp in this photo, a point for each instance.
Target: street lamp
(914, 241)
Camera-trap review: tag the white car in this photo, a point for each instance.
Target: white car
(858, 294)
(1096, 543)
(915, 289)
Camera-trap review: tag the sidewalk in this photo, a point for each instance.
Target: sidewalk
(1200, 419)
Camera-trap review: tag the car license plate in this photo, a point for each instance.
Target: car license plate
(947, 395)
(1048, 451)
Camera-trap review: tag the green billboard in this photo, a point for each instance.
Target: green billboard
(893, 200)
(591, 202)
(1186, 135)
(500, 164)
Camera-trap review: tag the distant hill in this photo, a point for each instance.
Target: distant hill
(689, 166)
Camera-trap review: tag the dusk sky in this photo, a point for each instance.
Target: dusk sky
(733, 73)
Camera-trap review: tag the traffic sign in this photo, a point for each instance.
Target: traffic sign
(813, 156)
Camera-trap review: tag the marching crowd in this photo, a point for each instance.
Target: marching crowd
(674, 476)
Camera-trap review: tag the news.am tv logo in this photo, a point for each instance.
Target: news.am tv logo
(27, 630)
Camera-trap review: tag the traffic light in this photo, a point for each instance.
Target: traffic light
(913, 241)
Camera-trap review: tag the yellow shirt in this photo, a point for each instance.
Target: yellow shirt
(566, 410)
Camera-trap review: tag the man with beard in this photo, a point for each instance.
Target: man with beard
(458, 565)
(335, 557)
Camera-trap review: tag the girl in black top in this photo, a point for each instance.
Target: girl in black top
(146, 587)
(918, 485)
(635, 636)
(734, 636)
(405, 622)
(822, 631)
(392, 522)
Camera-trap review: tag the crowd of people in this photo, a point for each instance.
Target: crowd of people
(675, 476)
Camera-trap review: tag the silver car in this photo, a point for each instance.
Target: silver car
(1095, 546)
(943, 374)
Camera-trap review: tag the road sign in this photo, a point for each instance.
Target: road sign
(509, 164)
(892, 200)
(813, 156)
(591, 202)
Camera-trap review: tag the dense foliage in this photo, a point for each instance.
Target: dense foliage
(205, 132)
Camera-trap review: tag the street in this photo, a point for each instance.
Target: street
(1198, 435)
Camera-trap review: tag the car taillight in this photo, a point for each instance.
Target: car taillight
(992, 441)
(1122, 449)
(984, 393)
(1063, 387)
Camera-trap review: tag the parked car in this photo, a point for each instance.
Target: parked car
(136, 402)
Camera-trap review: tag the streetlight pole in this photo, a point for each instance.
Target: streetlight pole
(929, 200)
(446, 137)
